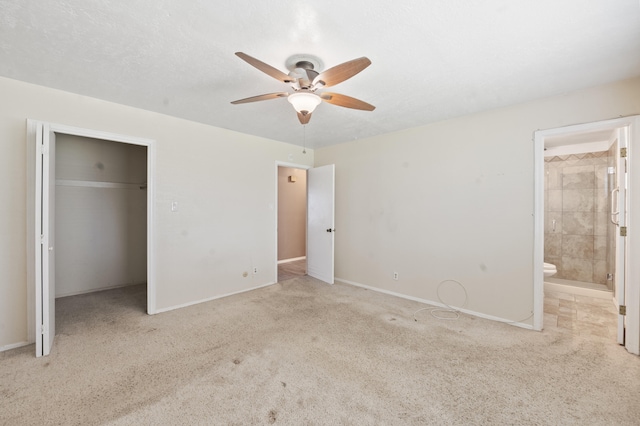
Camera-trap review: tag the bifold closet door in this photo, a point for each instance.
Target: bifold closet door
(45, 244)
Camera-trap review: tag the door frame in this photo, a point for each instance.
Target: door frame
(633, 215)
(620, 258)
(33, 217)
(293, 166)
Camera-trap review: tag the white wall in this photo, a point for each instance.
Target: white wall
(225, 223)
(455, 200)
(101, 233)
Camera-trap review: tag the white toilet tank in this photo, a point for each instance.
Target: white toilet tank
(549, 269)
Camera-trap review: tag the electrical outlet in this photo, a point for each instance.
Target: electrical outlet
(395, 276)
(255, 270)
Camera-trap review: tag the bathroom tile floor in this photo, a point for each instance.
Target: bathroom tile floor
(580, 315)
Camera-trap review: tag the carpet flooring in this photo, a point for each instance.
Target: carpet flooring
(305, 353)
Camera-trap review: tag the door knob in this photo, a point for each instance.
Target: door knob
(331, 230)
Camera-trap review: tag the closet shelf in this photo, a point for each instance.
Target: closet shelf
(95, 184)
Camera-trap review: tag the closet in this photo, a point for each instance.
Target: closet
(100, 215)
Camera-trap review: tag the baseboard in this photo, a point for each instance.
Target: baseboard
(438, 304)
(184, 305)
(94, 290)
(13, 346)
(293, 259)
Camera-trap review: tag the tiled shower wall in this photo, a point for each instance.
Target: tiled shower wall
(577, 234)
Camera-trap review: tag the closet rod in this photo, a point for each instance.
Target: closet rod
(96, 184)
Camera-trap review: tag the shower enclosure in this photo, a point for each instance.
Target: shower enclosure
(579, 226)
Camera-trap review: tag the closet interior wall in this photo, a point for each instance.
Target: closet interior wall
(100, 215)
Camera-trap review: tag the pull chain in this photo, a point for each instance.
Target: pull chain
(304, 139)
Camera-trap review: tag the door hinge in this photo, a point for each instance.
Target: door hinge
(623, 310)
(41, 239)
(43, 329)
(623, 152)
(623, 231)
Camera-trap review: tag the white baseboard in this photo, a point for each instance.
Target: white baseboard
(440, 305)
(184, 305)
(94, 290)
(293, 259)
(13, 346)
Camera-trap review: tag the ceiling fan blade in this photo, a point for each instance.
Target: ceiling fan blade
(346, 101)
(261, 98)
(265, 68)
(304, 118)
(342, 72)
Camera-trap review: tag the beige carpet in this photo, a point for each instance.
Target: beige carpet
(303, 352)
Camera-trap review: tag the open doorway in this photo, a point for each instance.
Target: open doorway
(104, 191)
(319, 219)
(584, 176)
(292, 223)
(584, 193)
(583, 203)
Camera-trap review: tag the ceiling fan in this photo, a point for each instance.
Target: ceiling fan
(305, 81)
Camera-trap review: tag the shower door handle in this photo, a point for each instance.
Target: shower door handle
(614, 213)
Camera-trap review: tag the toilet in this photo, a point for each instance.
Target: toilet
(549, 270)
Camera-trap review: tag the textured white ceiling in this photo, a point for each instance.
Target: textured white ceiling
(431, 60)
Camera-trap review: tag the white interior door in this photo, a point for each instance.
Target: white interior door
(321, 222)
(619, 216)
(45, 236)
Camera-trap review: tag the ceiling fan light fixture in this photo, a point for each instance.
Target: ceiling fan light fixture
(305, 80)
(304, 102)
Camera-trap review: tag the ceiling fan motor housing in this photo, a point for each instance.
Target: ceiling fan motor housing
(304, 74)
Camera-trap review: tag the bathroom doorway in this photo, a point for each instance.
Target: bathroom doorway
(582, 184)
(583, 203)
